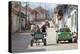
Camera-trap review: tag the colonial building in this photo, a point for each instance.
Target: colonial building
(17, 17)
(70, 13)
(14, 18)
(41, 13)
(72, 20)
(23, 16)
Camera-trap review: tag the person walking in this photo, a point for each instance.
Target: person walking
(43, 29)
(33, 27)
(37, 28)
(47, 23)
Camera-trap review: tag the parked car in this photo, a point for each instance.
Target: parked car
(64, 34)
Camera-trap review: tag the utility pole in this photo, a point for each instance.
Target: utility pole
(45, 12)
(26, 16)
(19, 17)
(26, 19)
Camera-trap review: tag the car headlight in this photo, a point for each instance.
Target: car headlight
(59, 33)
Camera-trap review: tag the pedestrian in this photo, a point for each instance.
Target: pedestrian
(37, 28)
(47, 23)
(43, 29)
(33, 27)
(75, 37)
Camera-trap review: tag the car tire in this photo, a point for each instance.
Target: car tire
(57, 41)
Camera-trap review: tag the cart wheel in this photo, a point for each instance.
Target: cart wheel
(44, 40)
(70, 40)
(32, 42)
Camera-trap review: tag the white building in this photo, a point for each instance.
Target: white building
(72, 20)
(15, 26)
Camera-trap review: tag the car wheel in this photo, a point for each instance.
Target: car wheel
(57, 41)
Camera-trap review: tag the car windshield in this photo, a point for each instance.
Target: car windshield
(65, 30)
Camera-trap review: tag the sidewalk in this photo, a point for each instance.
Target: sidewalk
(20, 41)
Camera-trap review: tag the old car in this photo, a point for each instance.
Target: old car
(64, 34)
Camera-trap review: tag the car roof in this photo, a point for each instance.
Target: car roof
(64, 28)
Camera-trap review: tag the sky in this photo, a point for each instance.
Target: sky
(48, 6)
